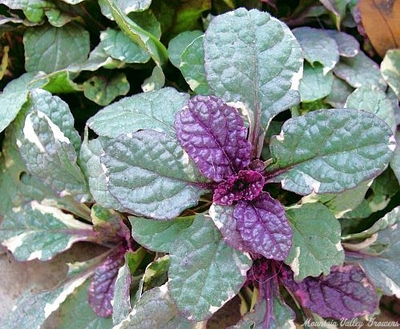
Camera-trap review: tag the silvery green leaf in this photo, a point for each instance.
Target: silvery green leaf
(390, 68)
(178, 44)
(339, 93)
(315, 84)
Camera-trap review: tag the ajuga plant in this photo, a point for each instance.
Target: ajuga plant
(258, 165)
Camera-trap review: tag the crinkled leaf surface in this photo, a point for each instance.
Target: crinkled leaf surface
(205, 272)
(49, 154)
(348, 45)
(317, 46)
(316, 241)
(49, 49)
(360, 70)
(315, 84)
(155, 309)
(214, 136)
(36, 231)
(117, 45)
(150, 175)
(390, 69)
(104, 89)
(263, 226)
(226, 223)
(153, 110)
(83, 316)
(157, 235)
(102, 287)
(343, 294)
(192, 67)
(329, 151)
(89, 159)
(178, 44)
(264, 63)
(374, 100)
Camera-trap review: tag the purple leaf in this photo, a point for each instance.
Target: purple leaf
(214, 136)
(246, 185)
(102, 286)
(343, 294)
(263, 225)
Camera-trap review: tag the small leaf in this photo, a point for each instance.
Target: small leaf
(150, 175)
(157, 235)
(50, 48)
(343, 294)
(339, 93)
(263, 226)
(316, 241)
(178, 44)
(317, 46)
(77, 304)
(329, 151)
(385, 15)
(348, 45)
(374, 100)
(192, 67)
(121, 300)
(315, 84)
(117, 45)
(214, 136)
(102, 287)
(360, 70)
(49, 155)
(143, 315)
(153, 110)
(36, 231)
(155, 81)
(104, 89)
(126, 6)
(264, 57)
(205, 272)
(390, 68)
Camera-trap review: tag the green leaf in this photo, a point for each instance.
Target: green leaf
(264, 66)
(89, 159)
(156, 273)
(315, 84)
(374, 100)
(143, 315)
(360, 70)
(316, 241)
(318, 47)
(155, 81)
(83, 315)
(136, 33)
(117, 45)
(50, 49)
(390, 69)
(57, 82)
(125, 6)
(121, 301)
(153, 110)
(192, 67)
(49, 155)
(329, 151)
(36, 231)
(157, 235)
(339, 93)
(395, 162)
(205, 272)
(104, 89)
(150, 175)
(34, 10)
(178, 44)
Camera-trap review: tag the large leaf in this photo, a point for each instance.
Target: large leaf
(205, 272)
(374, 100)
(156, 235)
(153, 110)
(214, 136)
(316, 241)
(36, 231)
(49, 49)
(263, 226)
(343, 294)
(264, 65)
(329, 151)
(155, 309)
(390, 68)
(150, 175)
(49, 154)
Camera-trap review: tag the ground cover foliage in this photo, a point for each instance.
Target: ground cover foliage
(217, 149)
